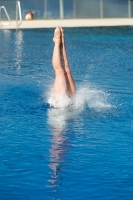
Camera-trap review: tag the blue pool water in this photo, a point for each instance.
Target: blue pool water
(80, 153)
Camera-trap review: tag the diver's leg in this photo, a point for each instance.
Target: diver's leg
(71, 83)
(60, 85)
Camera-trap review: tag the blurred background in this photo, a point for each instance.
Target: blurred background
(70, 9)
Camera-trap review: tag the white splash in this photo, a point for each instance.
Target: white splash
(86, 97)
(92, 98)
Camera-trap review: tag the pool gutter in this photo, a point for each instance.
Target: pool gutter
(51, 23)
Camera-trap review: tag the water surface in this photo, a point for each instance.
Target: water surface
(80, 153)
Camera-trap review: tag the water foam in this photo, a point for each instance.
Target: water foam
(86, 97)
(92, 98)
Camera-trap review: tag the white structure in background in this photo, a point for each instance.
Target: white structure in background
(61, 6)
(18, 12)
(129, 8)
(18, 15)
(9, 20)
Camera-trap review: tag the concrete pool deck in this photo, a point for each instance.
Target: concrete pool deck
(51, 23)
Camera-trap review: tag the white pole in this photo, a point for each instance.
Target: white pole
(129, 8)
(45, 8)
(18, 11)
(101, 8)
(20, 14)
(61, 9)
(0, 17)
(16, 15)
(74, 9)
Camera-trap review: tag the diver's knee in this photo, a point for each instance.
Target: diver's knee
(60, 71)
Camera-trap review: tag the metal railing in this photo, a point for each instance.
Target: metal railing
(13, 8)
(4, 23)
(18, 12)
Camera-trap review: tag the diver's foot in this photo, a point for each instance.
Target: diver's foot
(62, 35)
(57, 36)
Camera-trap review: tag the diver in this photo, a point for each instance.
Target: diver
(64, 85)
